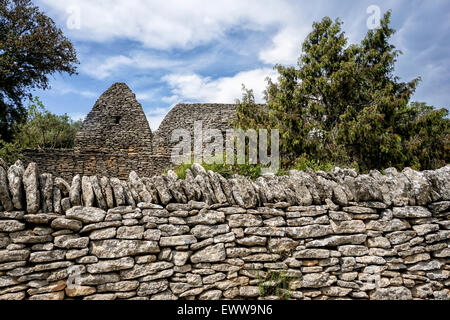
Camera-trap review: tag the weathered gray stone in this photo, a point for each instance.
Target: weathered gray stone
(87, 192)
(151, 288)
(426, 266)
(11, 226)
(65, 205)
(31, 186)
(70, 224)
(244, 220)
(62, 185)
(420, 188)
(378, 242)
(5, 197)
(316, 280)
(423, 229)
(106, 266)
(47, 256)
(71, 242)
(98, 279)
(205, 187)
(217, 187)
(391, 293)
(338, 240)
(57, 208)
(110, 249)
(163, 190)
(140, 270)
(387, 225)
(15, 177)
(439, 207)
(411, 212)
(399, 237)
(282, 245)
(191, 187)
(129, 200)
(152, 234)
(13, 255)
(28, 237)
(107, 192)
(135, 232)
(173, 230)
(207, 217)
(312, 254)
(101, 225)
(75, 191)
(213, 253)
(86, 214)
(138, 185)
(180, 257)
(46, 186)
(119, 194)
(177, 241)
(311, 231)
(99, 197)
(203, 231)
(121, 286)
(103, 234)
(353, 226)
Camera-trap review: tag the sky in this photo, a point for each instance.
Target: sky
(204, 51)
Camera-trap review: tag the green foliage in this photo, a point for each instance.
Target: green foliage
(226, 170)
(41, 129)
(303, 162)
(275, 283)
(31, 48)
(343, 106)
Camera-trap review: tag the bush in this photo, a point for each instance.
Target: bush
(41, 129)
(225, 170)
(343, 106)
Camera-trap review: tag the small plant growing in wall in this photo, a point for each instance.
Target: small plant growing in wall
(275, 283)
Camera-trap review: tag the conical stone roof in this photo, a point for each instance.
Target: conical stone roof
(115, 123)
(184, 115)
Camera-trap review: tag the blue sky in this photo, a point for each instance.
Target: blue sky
(203, 51)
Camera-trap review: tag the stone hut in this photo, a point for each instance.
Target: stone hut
(115, 123)
(115, 137)
(183, 116)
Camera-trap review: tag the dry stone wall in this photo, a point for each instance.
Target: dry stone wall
(115, 137)
(184, 116)
(66, 163)
(308, 235)
(117, 122)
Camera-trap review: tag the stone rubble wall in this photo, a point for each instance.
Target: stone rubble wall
(116, 122)
(66, 163)
(184, 116)
(308, 235)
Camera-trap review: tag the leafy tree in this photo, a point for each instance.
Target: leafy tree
(343, 105)
(31, 48)
(42, 129)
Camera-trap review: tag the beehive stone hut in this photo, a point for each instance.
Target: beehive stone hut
(115, 123)
(183, 116)
(115, 137)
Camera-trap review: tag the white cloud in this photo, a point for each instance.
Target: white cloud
(77, 116)
(286, 46)
(104, 67)
(156, 116)
(193, 87)
(171, 99)
(170, 25)
(167, 24)
(155, 121)
(158, 111)
(62, 88)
